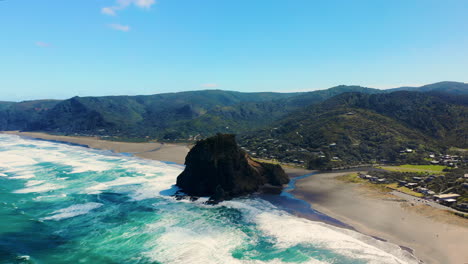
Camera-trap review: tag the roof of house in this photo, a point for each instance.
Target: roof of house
(450, 200)
(447, 196)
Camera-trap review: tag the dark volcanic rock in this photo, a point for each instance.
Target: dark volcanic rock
(218, 168)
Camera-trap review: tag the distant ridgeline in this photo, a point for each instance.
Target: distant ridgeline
(340, 125)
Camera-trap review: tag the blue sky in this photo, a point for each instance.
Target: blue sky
(58, 48)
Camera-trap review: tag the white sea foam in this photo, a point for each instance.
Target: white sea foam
(288, 230)
(9, 159)
(199, 242)
(98, 187)
(72, 211)
(33, 183)
(40, 188)
(49, 197)
(23, 177)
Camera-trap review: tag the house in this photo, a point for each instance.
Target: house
(449, 197)
(448, 201)
(374, 179)
(429, 179)
(381, 180)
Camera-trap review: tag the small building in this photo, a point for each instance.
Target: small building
(411, 185)
(408, 150)
(446, 197)
(402, 183)
(381, 180)
(417, 178)
(448, 201)
(429, 179)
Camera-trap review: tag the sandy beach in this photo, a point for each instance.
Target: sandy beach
(436, 236)
(156, 151)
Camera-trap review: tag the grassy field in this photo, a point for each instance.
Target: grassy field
(416, 168)
(354, 178)
(394, 186)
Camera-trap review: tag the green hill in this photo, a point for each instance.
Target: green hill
(355, 128)
(456, 88)
(18, 116)
(172, 116)
(248, 116)
(199, 114)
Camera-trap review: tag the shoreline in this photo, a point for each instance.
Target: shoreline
(434, 235)
(300, 198)
(167, 152)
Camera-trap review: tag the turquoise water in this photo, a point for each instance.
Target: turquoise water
(69, 204)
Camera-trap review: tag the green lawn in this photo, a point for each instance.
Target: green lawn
(416, 168)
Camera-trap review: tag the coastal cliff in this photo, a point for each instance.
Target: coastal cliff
(218, 168)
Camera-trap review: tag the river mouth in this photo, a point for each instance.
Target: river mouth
(288, 202)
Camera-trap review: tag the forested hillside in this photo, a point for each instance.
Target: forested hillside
(357, 128)
(173, 116)
(345, 123)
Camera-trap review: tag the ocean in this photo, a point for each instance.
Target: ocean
(61, 203)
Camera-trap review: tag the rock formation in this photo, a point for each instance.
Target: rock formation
(218, 168)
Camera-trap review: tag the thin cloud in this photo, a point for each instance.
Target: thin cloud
(120, 27)
(42, 44)
(210, 85)
(108, 11)
(122, 4)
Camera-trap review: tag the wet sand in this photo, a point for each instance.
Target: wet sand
(436, 236)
